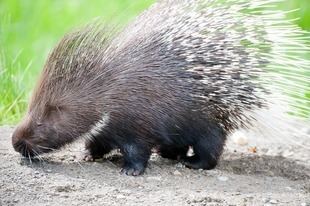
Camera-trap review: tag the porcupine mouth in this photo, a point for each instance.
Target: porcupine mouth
(26, 149)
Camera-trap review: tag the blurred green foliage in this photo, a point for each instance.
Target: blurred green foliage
(29, 29)
(302, 13)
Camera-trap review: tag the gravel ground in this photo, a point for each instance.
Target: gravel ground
(258, 173)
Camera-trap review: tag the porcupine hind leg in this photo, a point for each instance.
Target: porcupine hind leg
(173, 153)
(207, 149)
(95, 149)
(136, 156)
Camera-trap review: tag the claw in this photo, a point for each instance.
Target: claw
(88, 157)
(131, 171)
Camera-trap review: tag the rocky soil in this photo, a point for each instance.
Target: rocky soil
(251, 172)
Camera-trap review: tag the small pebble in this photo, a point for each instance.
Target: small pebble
(265, 200)
(154, 157)
(179, 165)
(154, 178)
(126, 192)
(36, 172)
(222, 178)
(65, 188)
(177, 173)
(71, 159)
(212, 172)
(239, 138)
(120, 196)
(287, 153)
(289, 188)
(273, 201)
(252, 149)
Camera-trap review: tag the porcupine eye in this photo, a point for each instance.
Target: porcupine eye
(52, 113)
(46, 131)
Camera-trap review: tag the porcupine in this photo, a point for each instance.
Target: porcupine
(183, 74)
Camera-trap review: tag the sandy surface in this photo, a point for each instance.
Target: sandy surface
(277, 174)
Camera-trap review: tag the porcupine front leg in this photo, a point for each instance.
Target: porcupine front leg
(136, 156)
(207, 149)
(95, 149)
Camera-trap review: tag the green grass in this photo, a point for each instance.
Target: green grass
(29, 29)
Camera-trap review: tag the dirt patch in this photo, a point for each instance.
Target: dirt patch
(266, 177)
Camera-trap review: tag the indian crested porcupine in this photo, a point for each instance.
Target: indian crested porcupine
(185, 73)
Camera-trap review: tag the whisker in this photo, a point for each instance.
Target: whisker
(80, 164)
(38, 155)
(29, 158)
(48, 148)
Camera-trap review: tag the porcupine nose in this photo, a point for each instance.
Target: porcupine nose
(16, 139)
(19, 143)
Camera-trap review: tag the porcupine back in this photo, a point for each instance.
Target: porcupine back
(228, 59)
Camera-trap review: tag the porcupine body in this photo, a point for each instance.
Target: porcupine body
(184, 73)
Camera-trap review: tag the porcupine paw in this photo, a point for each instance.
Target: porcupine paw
(95, 150)
(88, 157)
(194, 162)
(132, 169)
(93, 153)
(135, 158)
